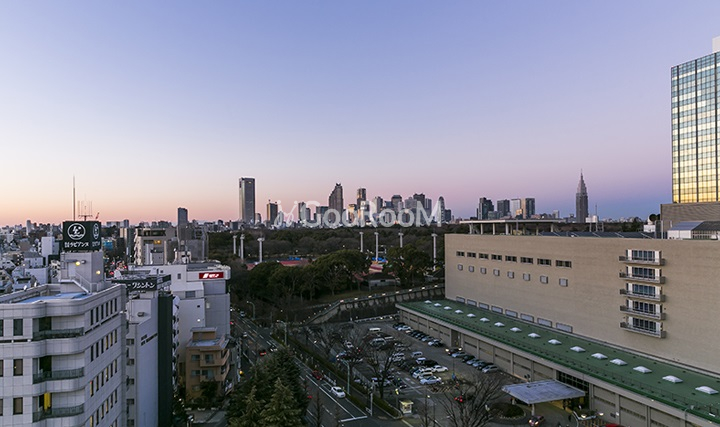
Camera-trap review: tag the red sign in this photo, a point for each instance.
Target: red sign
(212, 275)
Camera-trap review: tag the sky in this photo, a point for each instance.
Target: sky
(156, 105)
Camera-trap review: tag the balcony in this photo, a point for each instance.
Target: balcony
(629, 310)
(658, 280)
(651, 333)
(58, 333)
(58, 375)
(646, 297)
(58, 412)
(631, 260)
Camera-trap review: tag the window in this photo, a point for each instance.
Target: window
(17, 327)
(543, 279)
(483, 305)
(644, 307)
(189, 294)
(472, 302)
(645, 290)
(510, 258)
(638, 255)
(564, 327)
(17, 405)
(179, 276)
(645, 325)
(496, 257)
(497, 309)
(459, 253)
(92, 317)
(1, 407)
(527, 317)
(130, 341)
(563, 282)
(483, 270)
(565, 264)
(544, 261)
(511, 274)
(496, 272)
(195, 358)
(460, 267)
(2, 325)
(526, 260)
(2, 368)
(511, 313)
(131, 401)
(526, 277)
(544, 322)
(471, 268)
(17, 367)
(483, 256)
(472, 255)
(131, 362)
(645, 273)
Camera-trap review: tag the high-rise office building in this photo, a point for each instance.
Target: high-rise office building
(695, 133)
(335, 201)
(581, 201)
(503, 208)
(272, 213)
(397, 202)
(528, 207)
(247, 200)
(485, 206)
(361, 196)
(516, 208)
(182, 216)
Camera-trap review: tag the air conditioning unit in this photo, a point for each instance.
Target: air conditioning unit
(141, 313)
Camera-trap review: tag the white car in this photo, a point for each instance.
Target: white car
(430, 380)
(337, 391)
(439, 368)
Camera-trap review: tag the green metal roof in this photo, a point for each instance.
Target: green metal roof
(567, 352)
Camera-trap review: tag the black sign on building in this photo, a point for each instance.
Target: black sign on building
(81, 236)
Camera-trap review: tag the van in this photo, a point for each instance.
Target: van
(416, 354)
(371, 330)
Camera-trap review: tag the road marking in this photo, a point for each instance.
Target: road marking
(362, 417)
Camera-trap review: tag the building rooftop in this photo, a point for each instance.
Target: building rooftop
(46, 298)
(671, 384)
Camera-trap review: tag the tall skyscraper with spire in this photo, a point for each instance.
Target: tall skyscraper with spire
(581, 201)
(335, 201)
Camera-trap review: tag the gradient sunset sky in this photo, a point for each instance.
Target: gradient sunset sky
(160, 104)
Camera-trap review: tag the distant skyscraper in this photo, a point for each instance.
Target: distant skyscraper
(335, 201)
(515, 208)
(441, 210)
(485, 206)
(247, 200)
(272, 213)
(581, 201)
(695, 132)
(419, 200)
(397, 202)
(182, 216)
(361, 196)
(503, 208)
(528, 207)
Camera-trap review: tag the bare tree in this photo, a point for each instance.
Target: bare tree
(379, 357)
(317, 408)
(471, 405)
(325, 336)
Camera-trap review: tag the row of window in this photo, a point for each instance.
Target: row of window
(105, 343)
(513, 258)
(17, 327)
(106, 406)
(103, 311)
(17, 406)
(17, 367)
(511, 275)
(103, 377)
(514, 314)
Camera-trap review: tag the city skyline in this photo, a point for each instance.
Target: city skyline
(461, 100)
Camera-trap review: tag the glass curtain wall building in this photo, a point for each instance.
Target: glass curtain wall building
(695, 154)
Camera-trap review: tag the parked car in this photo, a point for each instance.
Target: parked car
(430, 380)
(317, 375)
(262, 352)
(337, 391)
(489, 369)
(536, 420)
(471, 361)
(439, 368)
(421, 371)
(451, 350)
(458, 354)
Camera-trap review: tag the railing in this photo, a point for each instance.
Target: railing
(657, 279)
(58, 412)
(58, 375)
(58, 333)
(631, 328)
(658, 316)
(658, 261)
(651, 297)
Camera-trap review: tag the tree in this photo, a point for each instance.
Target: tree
(251, 416)
(208, 393)
(408, 264)
(281, 411)
(472, 405)
(379, 359)
(338, 269)
(317, 408)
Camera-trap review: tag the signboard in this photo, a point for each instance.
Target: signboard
(210, 275)
(144, 283)
(81, 236)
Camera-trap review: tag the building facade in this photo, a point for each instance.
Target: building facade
(581, 201)
(247, 200)
(620, 318)
(335, 201)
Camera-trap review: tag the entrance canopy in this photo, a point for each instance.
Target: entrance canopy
(542, 391)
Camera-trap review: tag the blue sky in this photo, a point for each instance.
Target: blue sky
(155, 105)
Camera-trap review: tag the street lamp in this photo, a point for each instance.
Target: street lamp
(400, 234)
(376, 246)
(260, 240)
(253, 306)
(434, 236)
(242, 247)
(362, 248)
